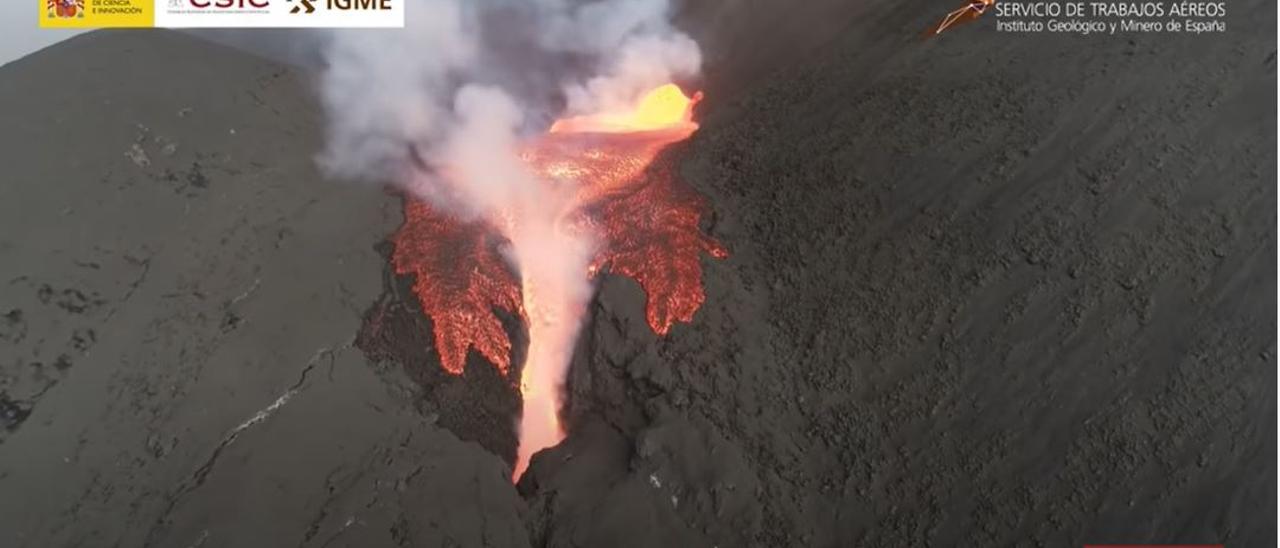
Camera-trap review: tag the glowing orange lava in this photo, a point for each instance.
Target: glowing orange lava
(645, 224)
(459, 281)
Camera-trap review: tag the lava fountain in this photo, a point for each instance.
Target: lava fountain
(603, 204)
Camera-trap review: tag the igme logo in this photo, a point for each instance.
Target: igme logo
(355, 5)
(308, 6)
(303, 5)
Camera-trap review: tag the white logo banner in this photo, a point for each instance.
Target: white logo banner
(279, 13)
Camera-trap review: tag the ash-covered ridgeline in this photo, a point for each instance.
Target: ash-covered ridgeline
(984, 290)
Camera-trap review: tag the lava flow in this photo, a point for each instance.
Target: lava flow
(642, 222)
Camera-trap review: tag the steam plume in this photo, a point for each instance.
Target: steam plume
(441, 107)
(388, 90)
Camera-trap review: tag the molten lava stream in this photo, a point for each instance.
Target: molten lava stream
(602, 206)
(541, 382)
(600, 153)
(554, 287)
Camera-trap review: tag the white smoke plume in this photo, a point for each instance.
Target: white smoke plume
(390, 92)
(441, 106)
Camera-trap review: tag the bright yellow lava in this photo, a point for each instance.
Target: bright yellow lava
(663, 107)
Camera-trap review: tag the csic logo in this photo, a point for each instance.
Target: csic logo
(202, 9)
(231, 10)
(230, 4)
(308, 6)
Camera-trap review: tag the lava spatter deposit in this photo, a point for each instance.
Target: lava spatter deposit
(459, 280)
(643, 220)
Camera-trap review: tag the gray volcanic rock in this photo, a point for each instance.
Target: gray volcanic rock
(984, 290)
(180, 294)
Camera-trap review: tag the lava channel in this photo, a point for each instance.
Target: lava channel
(644, 220)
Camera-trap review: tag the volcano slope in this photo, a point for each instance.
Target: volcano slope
(984, 290)
(180, 295)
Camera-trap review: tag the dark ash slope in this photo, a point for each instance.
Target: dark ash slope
(986, 290)
(179, 295)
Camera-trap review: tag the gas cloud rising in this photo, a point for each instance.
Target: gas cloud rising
(482, 74)
(445, 108)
